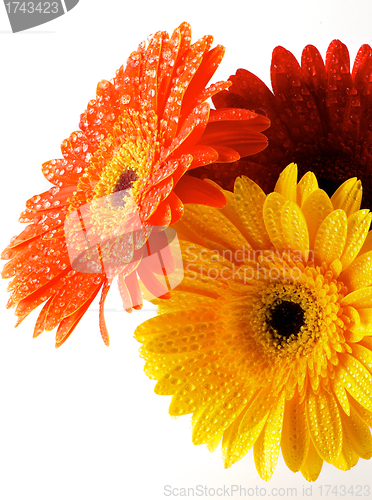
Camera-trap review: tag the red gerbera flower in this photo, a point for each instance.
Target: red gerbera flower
(321, 118)
(144, 130)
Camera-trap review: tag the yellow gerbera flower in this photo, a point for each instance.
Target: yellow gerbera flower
(268, 339)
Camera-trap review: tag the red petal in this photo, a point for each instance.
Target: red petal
(192, 190)
(202, 155)
(300, 113)
(257, 122)
(211, 61)
(172, 111)
(234, 134)
(191, 131)
(226, 155)
(150, 72)
(249, 92)
(162, 215)
(156, 194)
(361, 94)
(315, 76)
(339, 81)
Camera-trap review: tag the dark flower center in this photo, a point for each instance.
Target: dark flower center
(125, 180)
(286, 318)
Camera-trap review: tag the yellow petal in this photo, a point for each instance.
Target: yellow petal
(287, 183)
(347, 458)
(348, 196)
(294, 229)
(213, 443)
(250, 199)
(330, 238)
(357, 230)
(312, 465)
(359, 273)
(266, 449)
(218, 414)
(341, 395)
(359, 298)
(362, 412)
(363, 355)
(367, 245)
(307, 185)
(295, 435)
(315, 208)
(272, 219)
(356, 379)
(325, 424)
(193, 386)
(260, 406)
(211, 227)
(235, 445)
(358, 434)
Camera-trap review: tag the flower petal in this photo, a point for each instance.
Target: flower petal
(192, 190)
(295, 232)
(348, 196)
(235, 445)
(295, 435)
(337, 65)
(359, 272)
(359, 434)
(325, 425)
(330, 238)
(266, 448)
(316, 208)
(287, 183)
(273, 221)
(307, 185)
(312, 465)
(357, 229)
(249, 193)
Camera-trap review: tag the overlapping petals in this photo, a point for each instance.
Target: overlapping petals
(141, 133)
(267, 341)
(320, 113)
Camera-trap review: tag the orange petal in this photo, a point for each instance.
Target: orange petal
(102, 322)
(193, 190)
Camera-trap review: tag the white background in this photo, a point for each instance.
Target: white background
(82, 422)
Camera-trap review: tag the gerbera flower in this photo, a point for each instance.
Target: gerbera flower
(267, 341)
(141, 133)
(321, 118)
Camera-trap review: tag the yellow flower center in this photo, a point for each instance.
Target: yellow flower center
(293, 323)
(125, 157)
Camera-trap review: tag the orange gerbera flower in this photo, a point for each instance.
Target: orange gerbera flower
(144, 130)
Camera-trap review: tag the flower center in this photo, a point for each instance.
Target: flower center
(125, 180)
(286, 318)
